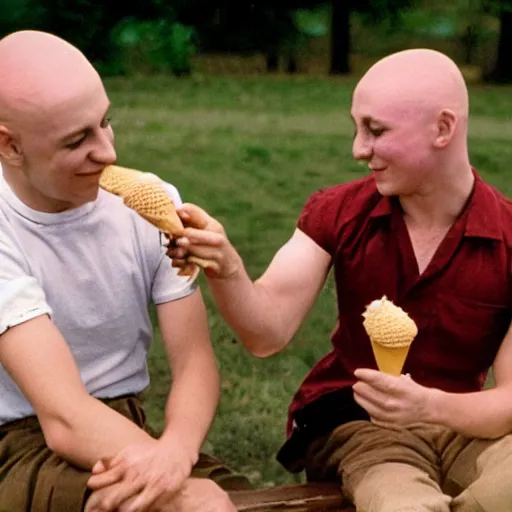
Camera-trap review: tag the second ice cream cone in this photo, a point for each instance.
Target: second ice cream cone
(390, 359)
(391, 332)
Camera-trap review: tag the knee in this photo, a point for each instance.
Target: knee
(202, 495)
(219, 500)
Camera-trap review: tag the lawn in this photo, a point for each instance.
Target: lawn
(250, 151)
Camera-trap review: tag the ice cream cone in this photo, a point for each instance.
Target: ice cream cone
(391, 332)
(144, 193)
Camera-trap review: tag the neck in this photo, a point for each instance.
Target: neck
(29, 195)
(439, 204)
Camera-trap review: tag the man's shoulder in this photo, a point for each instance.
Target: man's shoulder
(496, 207)
(352, 199)
(348, 190)
(499, 199)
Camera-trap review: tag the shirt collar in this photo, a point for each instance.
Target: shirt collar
(483, 215)
(383, 208)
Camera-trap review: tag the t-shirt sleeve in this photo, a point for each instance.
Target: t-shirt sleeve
(167, 284)
(318, 220)
(21, 296)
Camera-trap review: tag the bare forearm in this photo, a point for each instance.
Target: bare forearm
(192, 404)
(486, 414)
(251, 313)
(90, 431)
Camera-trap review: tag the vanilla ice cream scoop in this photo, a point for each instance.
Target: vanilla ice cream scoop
(391, 331)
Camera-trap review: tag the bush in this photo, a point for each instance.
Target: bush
(152, 46)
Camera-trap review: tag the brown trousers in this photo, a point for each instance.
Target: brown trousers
(34, 479)
(422, 469)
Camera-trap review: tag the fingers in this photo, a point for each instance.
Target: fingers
(204, 263)
(194, 216)
(195, 237)
(108, 477)
(109, 499)
(99, 467)
(369, 406)
(373, 377)
(144, 500)
(187, 268)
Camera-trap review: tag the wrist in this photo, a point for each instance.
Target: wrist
(231, 270)
(171, 439)
(435, 406)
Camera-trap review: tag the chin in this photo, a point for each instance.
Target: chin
(88, 197)
(387, 189)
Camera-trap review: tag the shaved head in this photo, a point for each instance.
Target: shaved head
(418, 79)
(55, 135)
(40, 72)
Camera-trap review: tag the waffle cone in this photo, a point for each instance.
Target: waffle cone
(390, 359)
(143, 192)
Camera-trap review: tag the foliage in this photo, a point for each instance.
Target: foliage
(21, 14)
(152, 46)
(375, 11)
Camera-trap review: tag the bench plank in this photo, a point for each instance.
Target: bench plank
(293, 498)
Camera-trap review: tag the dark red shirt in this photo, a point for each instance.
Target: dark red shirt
(461, 303)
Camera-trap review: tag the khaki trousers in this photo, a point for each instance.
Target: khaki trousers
(420, 469)
(32, 478)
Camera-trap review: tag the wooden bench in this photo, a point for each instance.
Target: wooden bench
(293, 498)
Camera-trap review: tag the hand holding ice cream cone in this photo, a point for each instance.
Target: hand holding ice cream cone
(391, 332)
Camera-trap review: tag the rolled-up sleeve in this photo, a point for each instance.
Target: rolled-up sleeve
(21, 299)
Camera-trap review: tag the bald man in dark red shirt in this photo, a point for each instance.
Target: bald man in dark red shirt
(427, 232)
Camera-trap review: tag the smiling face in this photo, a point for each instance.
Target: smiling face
(410, 115)
(65, 151)
(396, 140)
(55, 134)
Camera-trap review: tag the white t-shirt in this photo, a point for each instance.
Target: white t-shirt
(95, 270)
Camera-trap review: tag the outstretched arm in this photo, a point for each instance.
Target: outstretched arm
(266, 313)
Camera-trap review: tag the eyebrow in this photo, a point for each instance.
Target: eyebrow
(367, 120)
(85, 129)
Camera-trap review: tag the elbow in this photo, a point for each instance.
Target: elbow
(498, 433)
(263, 349)
(57, 434)
(60, 425)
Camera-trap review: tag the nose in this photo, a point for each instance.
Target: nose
(104, 151)
(361, 147)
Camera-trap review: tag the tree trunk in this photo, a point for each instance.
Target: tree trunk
(272, 59)
(340, 37)
(291, 66)
(502, 71)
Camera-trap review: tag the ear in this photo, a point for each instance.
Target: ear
(10, 150)
(445, 128)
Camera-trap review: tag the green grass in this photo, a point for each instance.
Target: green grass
(250, 151)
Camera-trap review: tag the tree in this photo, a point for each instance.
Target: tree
(373, 10)
(502, 71)
(340, 37)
